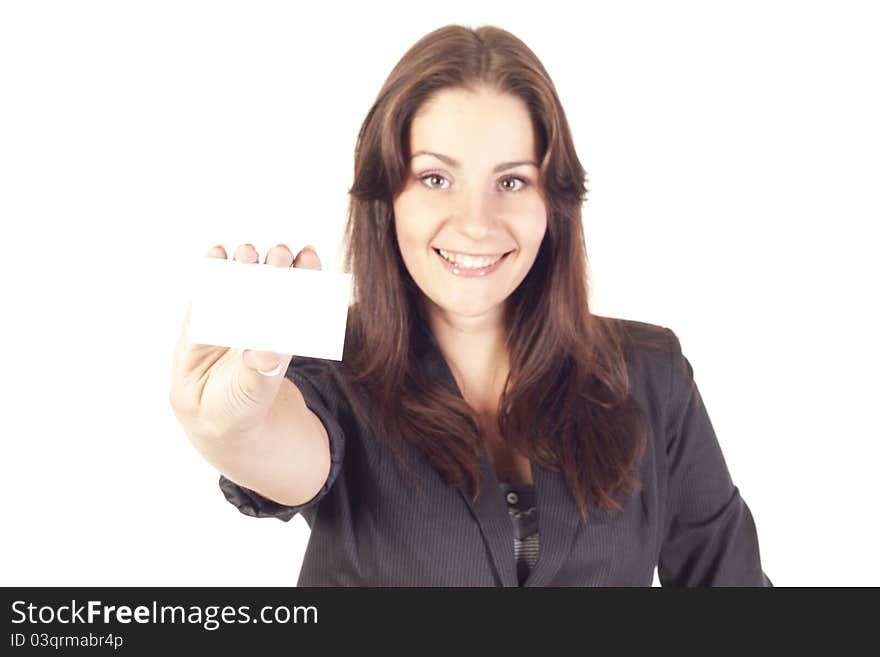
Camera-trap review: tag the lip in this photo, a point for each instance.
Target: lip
(473, 255)
(471, 273)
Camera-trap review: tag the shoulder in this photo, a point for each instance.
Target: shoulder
(651, 352)
(642, 342)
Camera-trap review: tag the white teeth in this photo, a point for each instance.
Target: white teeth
(469, 262)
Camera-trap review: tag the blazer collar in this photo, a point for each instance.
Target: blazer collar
(558, 516)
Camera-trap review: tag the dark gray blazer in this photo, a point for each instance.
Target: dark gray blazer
(371, 527)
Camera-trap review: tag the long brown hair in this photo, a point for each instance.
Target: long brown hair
(566, 403)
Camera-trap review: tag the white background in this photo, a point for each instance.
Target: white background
(732, 150)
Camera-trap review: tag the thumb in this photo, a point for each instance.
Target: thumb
(263, 372)
(269, 362)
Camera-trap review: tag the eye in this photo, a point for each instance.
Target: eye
(523, 181)
(431, 175)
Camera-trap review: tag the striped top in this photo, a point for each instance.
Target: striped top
(523, 512)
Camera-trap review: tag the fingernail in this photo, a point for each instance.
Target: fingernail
(273, 372)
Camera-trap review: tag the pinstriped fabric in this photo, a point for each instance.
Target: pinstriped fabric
(371, 527)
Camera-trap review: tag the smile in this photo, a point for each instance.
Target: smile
(469, 267)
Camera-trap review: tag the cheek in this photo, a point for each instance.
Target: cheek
(412, 237)
(413, 223)
(531, 226)
(402, 220)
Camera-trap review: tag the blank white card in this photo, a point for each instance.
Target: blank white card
(288, 310)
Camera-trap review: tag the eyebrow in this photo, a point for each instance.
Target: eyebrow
(451, 161)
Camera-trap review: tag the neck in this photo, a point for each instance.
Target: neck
(475, 350)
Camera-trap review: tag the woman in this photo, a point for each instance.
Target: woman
(483, 428)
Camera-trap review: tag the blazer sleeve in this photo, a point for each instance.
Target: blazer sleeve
(710, 537)
(321, 400)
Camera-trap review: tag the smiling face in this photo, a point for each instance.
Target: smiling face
(478, 194)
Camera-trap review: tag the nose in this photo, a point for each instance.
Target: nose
(476, 217)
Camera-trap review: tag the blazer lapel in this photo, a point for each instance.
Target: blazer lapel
(490, 512)
(558, 521)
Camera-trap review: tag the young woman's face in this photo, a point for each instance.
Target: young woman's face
(478, 194)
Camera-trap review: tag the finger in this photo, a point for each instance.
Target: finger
(307, 258)
(246, 253)
(217, 252)
(268, 361)
(262, 385)
(279, 255)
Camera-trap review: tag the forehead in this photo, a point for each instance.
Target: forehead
(481, 125)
